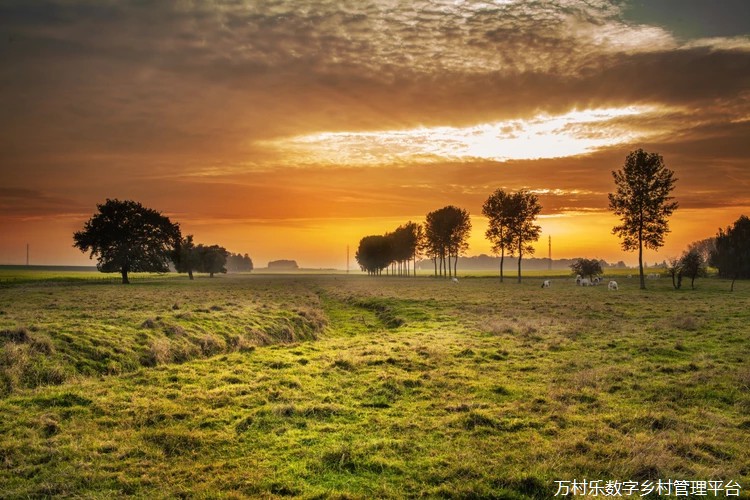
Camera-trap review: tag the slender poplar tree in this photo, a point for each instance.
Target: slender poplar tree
(642, 201)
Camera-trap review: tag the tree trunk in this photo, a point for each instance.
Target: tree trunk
(210, 275)
(190, 273)
(519, 266)
(502, 258)
(126, 281)
(640, 257)
(455, 265)
(434, 261)
(520, 256)
(731, 289)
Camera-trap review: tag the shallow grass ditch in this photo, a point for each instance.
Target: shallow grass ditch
(358, 387)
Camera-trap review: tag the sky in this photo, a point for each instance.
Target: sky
(292, 129)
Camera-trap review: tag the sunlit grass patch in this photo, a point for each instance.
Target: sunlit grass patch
(299, 386)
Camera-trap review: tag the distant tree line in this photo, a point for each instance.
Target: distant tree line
(237, 263)
(731, 253)
(127, 237)
(444, 235)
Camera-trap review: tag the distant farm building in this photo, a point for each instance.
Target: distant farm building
(283, 265)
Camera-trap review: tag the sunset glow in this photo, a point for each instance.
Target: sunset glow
(543, 136)
(293, 129)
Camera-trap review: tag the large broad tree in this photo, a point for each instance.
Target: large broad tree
(374, 254)
(524, 209)
(128, 237)
(211, 259)
(497, 209)
(642, 201)
(732, 254)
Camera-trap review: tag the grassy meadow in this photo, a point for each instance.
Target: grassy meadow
(336, 386)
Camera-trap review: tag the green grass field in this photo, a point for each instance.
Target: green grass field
(336, 386)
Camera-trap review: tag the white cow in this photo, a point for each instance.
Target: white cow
(455, 280)
(585, 282)
(612, 285)
(596, 281)
(578, 279)
(546, 284)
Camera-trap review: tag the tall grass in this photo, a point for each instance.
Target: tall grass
(356, 387)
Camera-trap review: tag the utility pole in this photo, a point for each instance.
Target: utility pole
(550, 252)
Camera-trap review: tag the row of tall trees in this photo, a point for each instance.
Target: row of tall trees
(127, 237)
(445, 234)
(446, 237)
(393, 250)
(442, 238)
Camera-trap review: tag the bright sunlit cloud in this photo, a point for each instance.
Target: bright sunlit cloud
(544, 136)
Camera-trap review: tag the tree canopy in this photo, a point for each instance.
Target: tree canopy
(189, 258)
(732, 254)
(524, 209)
(238, 263)
(184, 256)
(128, 237)
(373, 254)
(692, 265)
(211, 259)
(498, 210)
(642, 201)
(447, 232)
(586, 267)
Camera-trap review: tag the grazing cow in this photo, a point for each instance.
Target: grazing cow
(596, 281)
(455, 280)
(578, 279)
(585, 282)
(546, 284)
(612, 285)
